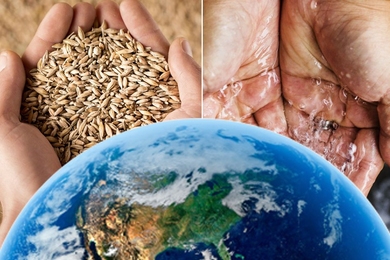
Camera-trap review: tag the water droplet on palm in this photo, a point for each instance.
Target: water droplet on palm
(313, 4)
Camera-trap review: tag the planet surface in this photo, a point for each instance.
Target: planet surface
(198, 189)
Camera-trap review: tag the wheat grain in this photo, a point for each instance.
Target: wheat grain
(94, 85)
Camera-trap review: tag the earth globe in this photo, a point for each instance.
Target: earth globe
(198, 189)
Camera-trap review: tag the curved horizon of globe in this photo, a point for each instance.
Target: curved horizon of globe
(156, 180)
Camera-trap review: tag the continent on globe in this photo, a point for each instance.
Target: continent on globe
(115, 228)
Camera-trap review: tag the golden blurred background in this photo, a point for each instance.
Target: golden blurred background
(19, 19)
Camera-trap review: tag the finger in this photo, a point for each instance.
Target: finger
(367, 160)
(12, 79)
(50, 31)
(142, 26)
(84, 15)
(188, 77)
(211, 105)
(272, 117)
(384, 137)
(108, 11)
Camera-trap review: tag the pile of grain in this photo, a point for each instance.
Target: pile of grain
(95, 85)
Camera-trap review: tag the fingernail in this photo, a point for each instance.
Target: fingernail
(3, 61)
(186, 47)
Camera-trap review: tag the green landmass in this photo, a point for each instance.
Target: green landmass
(142, 231)
(163, 180)
(201, 217)
(253, 175)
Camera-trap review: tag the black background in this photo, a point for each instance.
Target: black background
(379, 195)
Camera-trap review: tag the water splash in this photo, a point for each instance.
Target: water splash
(263, 55)
(313, 115)
(269, 18)
(232, 89)
(272, 78)
(317, 81)
(352, 151)
(331, 86)
(313, 5)
(343, 95)
(223, 90)
(316, 62)
(361, 101)
(328, 102)
(349, 166)
(228, 96)
(236, 88)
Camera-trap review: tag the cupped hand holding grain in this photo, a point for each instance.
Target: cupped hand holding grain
(27, 158)
(104, 81)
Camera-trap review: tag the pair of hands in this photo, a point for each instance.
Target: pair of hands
(292, 66)
(27, 158)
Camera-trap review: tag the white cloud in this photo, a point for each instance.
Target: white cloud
(53, 243)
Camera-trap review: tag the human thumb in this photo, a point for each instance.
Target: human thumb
(187, 74)
(12, 80)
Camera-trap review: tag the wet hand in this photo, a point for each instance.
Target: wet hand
(335, 74)
(241, 69)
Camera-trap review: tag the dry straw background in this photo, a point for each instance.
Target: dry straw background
(19, 20)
